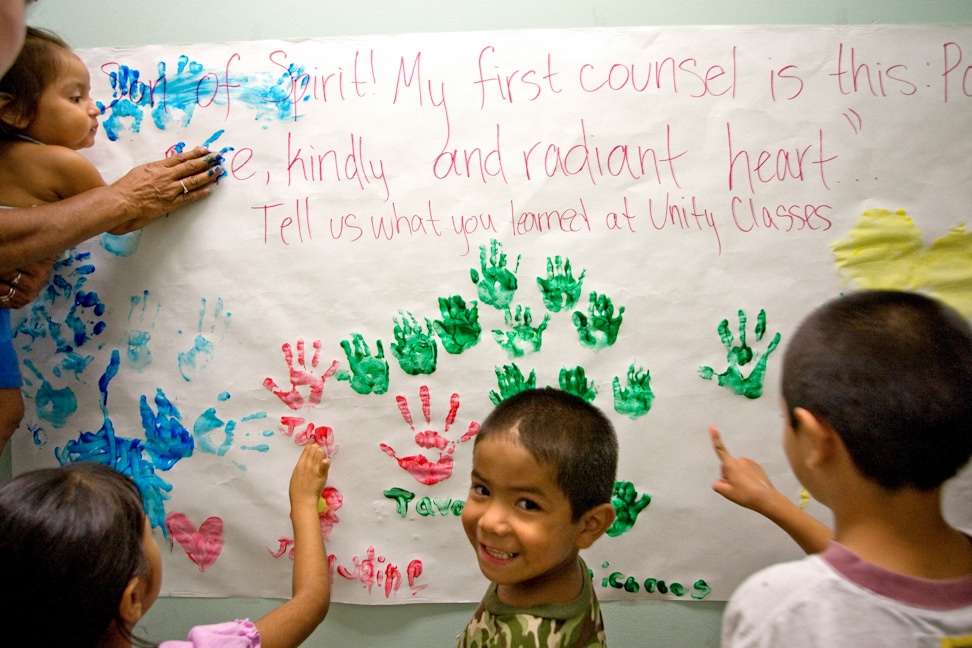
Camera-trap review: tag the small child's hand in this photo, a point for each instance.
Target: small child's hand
(743, 480)
(309, 476)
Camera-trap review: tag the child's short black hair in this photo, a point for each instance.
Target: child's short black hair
(891, 372)
(565, 432)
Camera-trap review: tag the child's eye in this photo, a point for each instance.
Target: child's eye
(528, 505)
(76, 99)
(479, 490)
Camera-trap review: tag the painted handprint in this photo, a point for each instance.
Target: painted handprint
(138, 355)
(51, 404)
(84, 318)
(301, 376)
(522, 336)
(627, 505)
(510, 380)
(634, 400)
(206, 425)
(599, 328)
(369, 373)
(459, 327)
(322, 435)
(418, 466)
(196, 358)
(560, 290)
(740, 355)
(166, 440)
(574, 381)
(415, 348)
(497, 285)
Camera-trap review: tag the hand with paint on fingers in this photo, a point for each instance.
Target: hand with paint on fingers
(745, 483)
(155, 189)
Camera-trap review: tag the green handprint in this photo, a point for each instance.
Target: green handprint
(415, 349)
(749, 386)
(627, 505)
(522, 337)
(459, 327)
(369, 374)
(574, 381)
(601, 328)
(634, 400)
(560, 291)
(497, 284)
(511, 381)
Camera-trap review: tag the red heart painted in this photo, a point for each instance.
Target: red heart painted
(202, 546)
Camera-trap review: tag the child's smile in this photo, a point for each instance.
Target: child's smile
(521, 524)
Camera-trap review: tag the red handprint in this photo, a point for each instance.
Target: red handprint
(300, 377)
(419, 466)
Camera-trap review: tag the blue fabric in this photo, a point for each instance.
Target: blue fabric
(9, 364)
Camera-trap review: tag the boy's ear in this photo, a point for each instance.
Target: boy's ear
(131, 607)
(822, 441)
(593, 524)
(6, 114)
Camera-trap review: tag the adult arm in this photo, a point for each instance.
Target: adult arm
(745, 483)
(145, 193)
(290, 624)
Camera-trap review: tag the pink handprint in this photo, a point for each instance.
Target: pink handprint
(418, 466)
(300, 377)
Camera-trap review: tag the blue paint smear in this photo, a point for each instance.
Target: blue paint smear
(166, 440)
(83, 302)
(203, 428)
(172, 98)
(55, 406)
(123, 245)
(124, 455)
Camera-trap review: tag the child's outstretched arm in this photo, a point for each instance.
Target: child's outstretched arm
(745, 482)
(291, 623)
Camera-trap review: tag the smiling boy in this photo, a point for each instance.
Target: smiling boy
(544, 466)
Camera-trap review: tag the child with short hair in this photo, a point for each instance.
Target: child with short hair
(877, 395)
(544, 465)
(81, 565)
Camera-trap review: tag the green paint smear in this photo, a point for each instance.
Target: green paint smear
(600, 326)
(511, 381)
(369, 373)
(522, 336)
(497, 284)
(634, 400)
(560, 290)
(414, 347)
(574, 381)
(627, 505)
(739, 355)
(886, 250)
(459, 327)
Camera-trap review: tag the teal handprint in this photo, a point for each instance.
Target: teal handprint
(560, 291)
(414, 348)
(634, 400)
(574, 381)
(750, 386)
(369, 374)
(497, 284)
(522, 336)
(600, 327)
(627, 505)
(511, 381)
(459, 327)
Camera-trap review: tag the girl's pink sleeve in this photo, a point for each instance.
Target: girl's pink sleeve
(232, 634)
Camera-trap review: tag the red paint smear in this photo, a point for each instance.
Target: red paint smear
(203, 546)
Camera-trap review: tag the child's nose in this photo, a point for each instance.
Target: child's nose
(93, 109)
(494, 519)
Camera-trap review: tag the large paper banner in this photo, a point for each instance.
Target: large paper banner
(412, 228)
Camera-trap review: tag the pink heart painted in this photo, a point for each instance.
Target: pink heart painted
(202, 546)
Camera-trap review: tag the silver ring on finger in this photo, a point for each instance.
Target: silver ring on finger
(16, 280)
(185, 189)
(6, 298)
